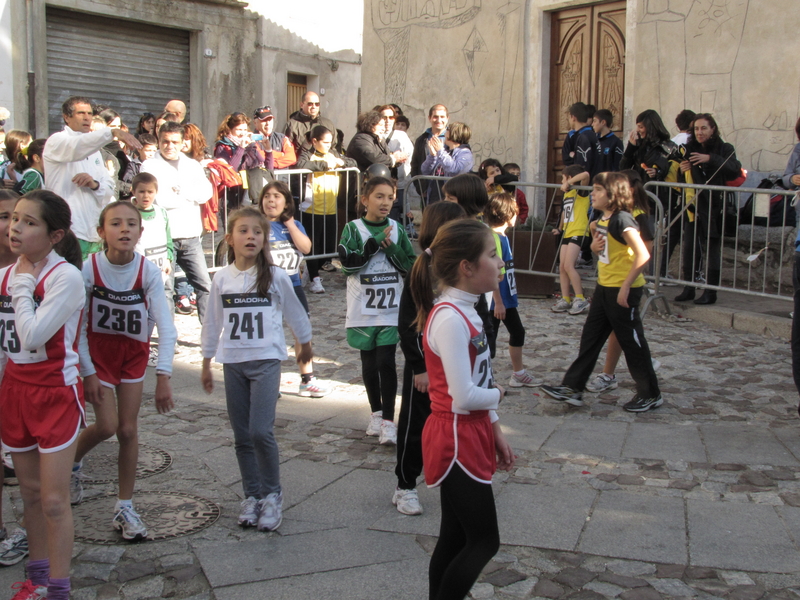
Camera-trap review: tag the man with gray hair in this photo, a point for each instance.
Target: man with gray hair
(76, 170)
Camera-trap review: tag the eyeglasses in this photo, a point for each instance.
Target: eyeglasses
(312, 103)
(388, 118)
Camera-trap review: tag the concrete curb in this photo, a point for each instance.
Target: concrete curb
(747, 321)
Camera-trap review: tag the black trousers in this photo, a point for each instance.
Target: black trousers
(605, 316)
(698, 244)
(415, 408)
(468, 536)
(796, 322)
(322, 231)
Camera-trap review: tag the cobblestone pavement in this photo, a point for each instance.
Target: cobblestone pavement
(711, 380)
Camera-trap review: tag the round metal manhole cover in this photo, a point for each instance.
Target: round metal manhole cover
(166, 515)
(100, 465)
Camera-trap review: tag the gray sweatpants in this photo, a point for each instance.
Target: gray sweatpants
(251, 392)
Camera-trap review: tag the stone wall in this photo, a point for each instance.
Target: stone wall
(488, 61)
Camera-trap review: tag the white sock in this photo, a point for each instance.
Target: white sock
(519, 373)
(77, 465)
(123, 504)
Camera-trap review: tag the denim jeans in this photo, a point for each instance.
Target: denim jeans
(189, 255)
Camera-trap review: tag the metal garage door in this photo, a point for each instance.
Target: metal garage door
(129, 66)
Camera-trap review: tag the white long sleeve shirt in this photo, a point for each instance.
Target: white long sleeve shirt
(448, 337)
(121, 278)
(68, 153)
(58, 315)
(182, 188)
(232, 346)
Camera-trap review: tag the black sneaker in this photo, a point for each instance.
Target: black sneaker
(643, 404)
(563, 393)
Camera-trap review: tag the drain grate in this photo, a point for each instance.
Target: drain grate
(166, 514)
(100, 465)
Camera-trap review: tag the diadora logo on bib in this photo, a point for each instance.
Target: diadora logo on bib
(380, 278)
(130, 297)
(479, 341)
(5, 304)
(243, 300)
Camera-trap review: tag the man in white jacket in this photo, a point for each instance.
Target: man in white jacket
(182, 188)
(76, 171)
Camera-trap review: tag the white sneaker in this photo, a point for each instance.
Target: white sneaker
(76, 486)
(130, 524)
(407, 502)
(388, 433)
(248, 514)
(561, 306)
(602, 383)
(524, 380)
(313, 389)
(578, 306)
(316, 286)
(374, 427)
(270, 512)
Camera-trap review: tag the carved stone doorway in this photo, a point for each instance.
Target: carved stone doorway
(587, 64)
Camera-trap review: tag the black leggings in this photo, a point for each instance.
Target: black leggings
(415, 408)
(468, 537)
(379, 373)
(516, 330)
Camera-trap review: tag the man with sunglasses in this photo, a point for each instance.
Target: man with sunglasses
(274, 150)
(304, 120)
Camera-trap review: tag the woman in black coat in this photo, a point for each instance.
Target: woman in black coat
(367, 146)
(650, 152)
(711, 162)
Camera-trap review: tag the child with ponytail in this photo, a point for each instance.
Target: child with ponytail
(462, 442)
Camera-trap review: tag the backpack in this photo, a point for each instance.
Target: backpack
(781, 210)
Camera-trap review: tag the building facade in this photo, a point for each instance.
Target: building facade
(219, 56)
(510, 69)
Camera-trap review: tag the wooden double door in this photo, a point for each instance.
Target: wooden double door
(587, 65)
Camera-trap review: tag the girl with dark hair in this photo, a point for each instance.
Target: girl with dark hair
(654, 156)
(462, 442)
(147, 124)
(468, 191)
(243, 330)
(375, 252)
(319, 205)
(415, 404)
(30, 163)
(709, 161)
(615, 304)
(41, 396)
(288, 243)
(15, 141)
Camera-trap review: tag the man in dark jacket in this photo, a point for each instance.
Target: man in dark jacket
(438, 116)
(304, 120)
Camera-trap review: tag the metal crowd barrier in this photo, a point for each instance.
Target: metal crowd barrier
(535, 249)
(296, 179)
(749, 256)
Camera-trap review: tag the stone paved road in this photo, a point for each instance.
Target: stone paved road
(700, 498)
